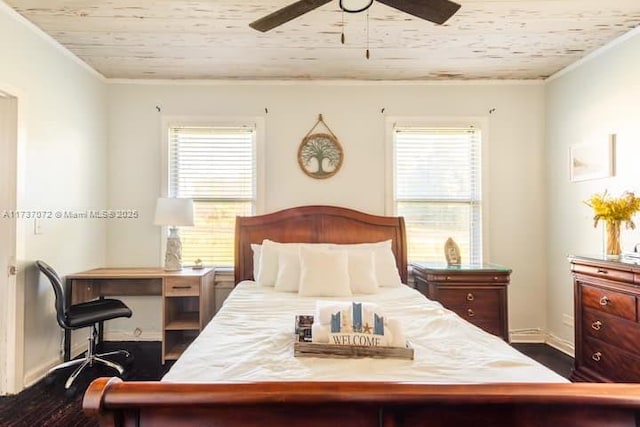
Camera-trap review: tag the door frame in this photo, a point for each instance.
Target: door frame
(12, 295)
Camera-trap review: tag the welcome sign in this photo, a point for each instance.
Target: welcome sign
(366, 328)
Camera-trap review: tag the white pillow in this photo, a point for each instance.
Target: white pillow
(257, 251)
(386, 268)
(385, 262)
(268, 271)
(362, 272)
(324, 273)
(288, 277)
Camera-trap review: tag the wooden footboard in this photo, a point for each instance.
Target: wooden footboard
(315, 404)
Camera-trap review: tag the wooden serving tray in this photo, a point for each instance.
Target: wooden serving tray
(308, 349)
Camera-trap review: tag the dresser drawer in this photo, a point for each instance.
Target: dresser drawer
(608, 301)
(480, 307)
(482, 301)
(610, 362)
(610, 329)
(485, 278)
(493, 325)
(182, 286)
(604, 273)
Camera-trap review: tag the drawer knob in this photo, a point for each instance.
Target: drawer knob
(470, 297)
(470, 313)
(597, 356)
(604, 300)
(447, 278)
(181, 287)
(495, 278)
(603, 271)
(597, 325)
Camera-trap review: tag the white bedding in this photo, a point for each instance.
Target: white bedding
(251, 339)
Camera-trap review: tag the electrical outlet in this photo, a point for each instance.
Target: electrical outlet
(567, 319)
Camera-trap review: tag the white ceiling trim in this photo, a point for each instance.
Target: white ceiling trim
(263, 82)
(595, 54)
(50, 40)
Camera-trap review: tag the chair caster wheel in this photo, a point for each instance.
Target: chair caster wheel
(71, 392)
(129, 360)
(49, 380)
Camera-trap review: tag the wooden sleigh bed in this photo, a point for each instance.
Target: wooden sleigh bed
(363, 403)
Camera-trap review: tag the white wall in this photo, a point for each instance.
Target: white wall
(599, 97)
(515, 203)
(62, 131)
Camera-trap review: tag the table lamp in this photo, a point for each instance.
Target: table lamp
(174, 212)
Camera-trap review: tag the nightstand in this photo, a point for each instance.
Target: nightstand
(476, 292)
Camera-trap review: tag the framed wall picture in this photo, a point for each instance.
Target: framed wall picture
(320, 155)
(593, 160)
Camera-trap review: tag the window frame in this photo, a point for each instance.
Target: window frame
(481, 123)
(256, 122)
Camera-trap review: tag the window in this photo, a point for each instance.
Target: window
(216, 167)
(437, 180)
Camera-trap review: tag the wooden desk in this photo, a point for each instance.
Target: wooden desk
(188, 301)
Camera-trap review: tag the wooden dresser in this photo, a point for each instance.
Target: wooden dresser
(477, 293)
(607, 328)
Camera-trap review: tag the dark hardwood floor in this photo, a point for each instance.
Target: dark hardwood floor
(46, 404)
(553, 359)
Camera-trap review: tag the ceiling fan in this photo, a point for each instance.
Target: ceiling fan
(437, 11)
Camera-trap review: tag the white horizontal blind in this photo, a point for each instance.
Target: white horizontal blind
(438, 190)
(216, 167)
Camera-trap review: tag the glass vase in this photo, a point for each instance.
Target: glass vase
(612, 239)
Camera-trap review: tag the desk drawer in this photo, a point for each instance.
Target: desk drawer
(182, 286)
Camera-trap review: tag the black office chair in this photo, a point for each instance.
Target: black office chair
(82, 315)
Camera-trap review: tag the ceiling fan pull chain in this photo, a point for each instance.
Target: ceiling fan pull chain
(342, 36)
(367, 55)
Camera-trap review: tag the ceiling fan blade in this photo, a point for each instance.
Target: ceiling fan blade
(437, 11)
(286, 14)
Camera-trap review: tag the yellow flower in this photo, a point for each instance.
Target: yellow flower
(608, 208)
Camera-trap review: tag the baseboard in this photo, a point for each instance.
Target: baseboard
(36, 374)
(537, 335)
(534, 335)
(562, 345)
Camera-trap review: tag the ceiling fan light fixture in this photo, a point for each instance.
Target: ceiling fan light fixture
(436, 11)
(355, 6)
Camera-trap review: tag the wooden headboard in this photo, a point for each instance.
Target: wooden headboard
(317, 224)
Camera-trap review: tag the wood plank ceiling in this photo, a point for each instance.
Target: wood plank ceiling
(197, 39)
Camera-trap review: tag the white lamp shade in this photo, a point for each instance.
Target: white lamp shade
(174, 212)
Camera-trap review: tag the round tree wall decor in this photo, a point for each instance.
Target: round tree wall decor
(320, 154)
